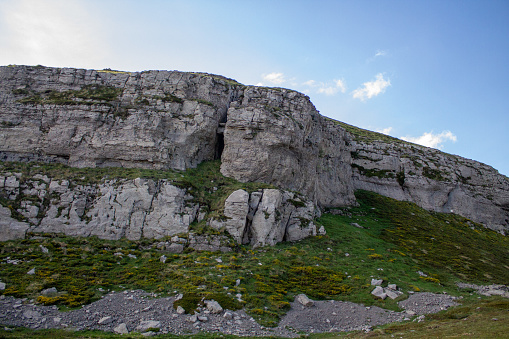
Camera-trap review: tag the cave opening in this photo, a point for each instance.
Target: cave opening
(219, 145)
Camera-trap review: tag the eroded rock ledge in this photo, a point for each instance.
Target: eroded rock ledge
(132, 209)
(170, 119)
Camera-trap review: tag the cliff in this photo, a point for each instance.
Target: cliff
(175, 120)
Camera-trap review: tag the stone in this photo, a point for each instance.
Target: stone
(163, 259)
(146, 324)
(30, 314)
(2, 286)
(203, 318)
(11, 229)
(392, 287)
(175, 248)
(180, 310)
(105, 320)
(31, 272)
(376, 282)
(228, 315)
(304, 300)
(379, 292)
(393, 294)
(236, 208)
(274, 136)
(121, 329)
(213, 306)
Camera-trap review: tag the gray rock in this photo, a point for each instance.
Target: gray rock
(376, 282)
(392, 293)
(180, 310)
(2, 286)
(228, 315)
(304, 300)
(121, 329)
(30, 314)
(146, 324)
(379, 292)
(175, 248)
(105, 320)
(275, 136)
(236, 208)
(213, 306)
(11, 229)
(31, 272)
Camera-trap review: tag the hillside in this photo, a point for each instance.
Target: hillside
(382, 238)
(171, 188)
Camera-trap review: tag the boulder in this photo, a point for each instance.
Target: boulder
(121, 329)
(11, 229)
(145, 325)
(304, 300)
(213, 306)
(379, 292)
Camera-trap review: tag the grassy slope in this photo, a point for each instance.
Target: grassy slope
(398, 240)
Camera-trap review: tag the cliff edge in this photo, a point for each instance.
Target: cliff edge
(177, 120)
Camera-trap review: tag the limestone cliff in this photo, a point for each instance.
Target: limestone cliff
(170, 119)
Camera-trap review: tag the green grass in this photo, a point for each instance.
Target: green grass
(397, 240)
(88, 95)
(488, 318)
(207, 185)
(365, 135)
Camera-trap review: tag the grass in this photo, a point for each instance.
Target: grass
(88, 95)
(397, 240)
(209, 188)
(365, 135)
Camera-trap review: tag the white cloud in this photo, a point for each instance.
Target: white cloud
(432, 140)
(327, 88)
(372, 88)
(380, 53)
(385, 130)
(52, 32)
(274, 78)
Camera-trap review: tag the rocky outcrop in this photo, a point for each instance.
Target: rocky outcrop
(278, 137)
(110, 210)
(87, 118)
(267, 217)
(170, 119)
(154, 209)
(433, 180)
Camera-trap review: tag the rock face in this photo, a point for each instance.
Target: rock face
(114, 209)
(433, 180)
(170, 119)
(267, 217)
(278, 137)
(110, 210)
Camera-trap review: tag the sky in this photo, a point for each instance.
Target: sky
(431, 72)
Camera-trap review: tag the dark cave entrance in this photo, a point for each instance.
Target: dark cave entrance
(219, 141)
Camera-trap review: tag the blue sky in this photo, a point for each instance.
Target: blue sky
(433, 72)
